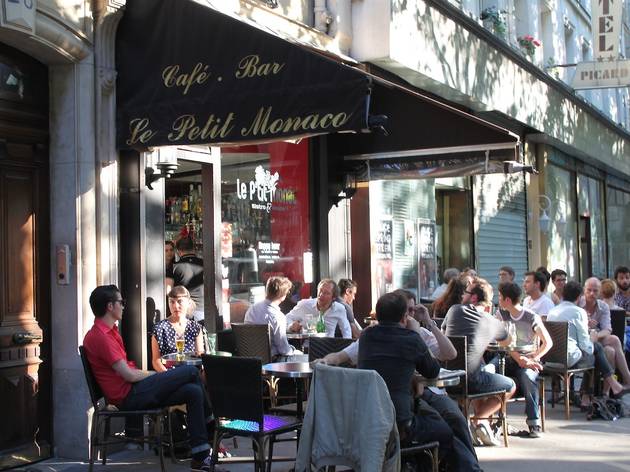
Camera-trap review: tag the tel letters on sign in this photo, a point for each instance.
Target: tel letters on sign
(19, 15)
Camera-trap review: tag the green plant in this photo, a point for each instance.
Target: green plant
(496, 17)
(529, 44)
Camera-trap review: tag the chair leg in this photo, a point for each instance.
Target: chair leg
(541, 401)
(160, 442)
(93, 440)
(105, 439)
(504, 419)
(567, 397)
(171, 443)
(270, 458)
(215, 447)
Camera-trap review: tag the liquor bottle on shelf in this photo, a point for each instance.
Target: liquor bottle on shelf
(168, 211)
(185, 208)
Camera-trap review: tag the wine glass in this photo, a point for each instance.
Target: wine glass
(310, 323)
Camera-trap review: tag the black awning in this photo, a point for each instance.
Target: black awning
(188, 74)
(425, 137)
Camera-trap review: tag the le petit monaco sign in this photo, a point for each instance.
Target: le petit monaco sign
(188, 74)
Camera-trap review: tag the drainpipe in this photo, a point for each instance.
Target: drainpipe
(336, 20)
(322, 16)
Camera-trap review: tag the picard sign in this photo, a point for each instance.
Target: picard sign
(607, 74)
(203, 77)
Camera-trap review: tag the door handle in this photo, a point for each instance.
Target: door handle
(26, 338)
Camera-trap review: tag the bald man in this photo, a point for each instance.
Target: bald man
(600, 328)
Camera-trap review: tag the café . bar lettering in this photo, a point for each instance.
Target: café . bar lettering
(213, 78)
(251, 66)
(172, 76)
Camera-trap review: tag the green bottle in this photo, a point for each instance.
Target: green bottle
(321, 326)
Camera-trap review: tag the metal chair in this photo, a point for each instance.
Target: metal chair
(103, 413)
(237, 403)
(320, 347)
(556, 363)
(253, 340)
(461, 393)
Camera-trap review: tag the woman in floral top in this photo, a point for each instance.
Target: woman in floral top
(167, 330)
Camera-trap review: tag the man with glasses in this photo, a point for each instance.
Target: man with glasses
(559, 280)
(129, 388)
(472, 319)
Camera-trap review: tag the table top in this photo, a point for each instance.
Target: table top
(511, 348)
(288, 369)
(446, 378)
(187, 358)
(305, 335)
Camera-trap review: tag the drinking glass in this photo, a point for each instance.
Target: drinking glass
(179, 344)
(310, 323)
(212, 342)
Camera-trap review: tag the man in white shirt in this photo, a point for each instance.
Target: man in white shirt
(534, 286)
(334, 313)
(268, 312)
(582, 351)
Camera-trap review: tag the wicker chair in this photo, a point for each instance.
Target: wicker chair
(103, 413)
(556, 363)
(254, 340)
(320, 347)
(461, 393)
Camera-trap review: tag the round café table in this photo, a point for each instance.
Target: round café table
(291, 370)
(502, 351)
(188, 358)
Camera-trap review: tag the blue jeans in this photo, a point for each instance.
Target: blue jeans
(174, 387)
(482, 382)
(526, 379)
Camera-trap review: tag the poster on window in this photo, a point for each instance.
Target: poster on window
(427, 273)
(383, 277)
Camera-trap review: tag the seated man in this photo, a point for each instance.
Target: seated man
(524, 367)
(347, 294)
(582, 351)
(396, 353)
(268, 312)
(472, 319)
(130, 388)
(442, 349)
(333, 312)
(601, 329)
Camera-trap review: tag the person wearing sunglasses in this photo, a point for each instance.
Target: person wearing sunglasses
(130, 388)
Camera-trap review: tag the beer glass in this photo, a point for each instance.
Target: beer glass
(179, 344)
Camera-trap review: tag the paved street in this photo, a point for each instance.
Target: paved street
(574, 445)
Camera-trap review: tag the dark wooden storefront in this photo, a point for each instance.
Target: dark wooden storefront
(25, 351)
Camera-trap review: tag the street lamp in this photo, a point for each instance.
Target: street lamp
(166, 165)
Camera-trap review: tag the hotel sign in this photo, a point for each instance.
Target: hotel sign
(19, 15)
(609, 74)
(607, 71)
(188, 74)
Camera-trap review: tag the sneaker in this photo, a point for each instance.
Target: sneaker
(197, 466)
(535, 431)
(484, 433)
(473, 435)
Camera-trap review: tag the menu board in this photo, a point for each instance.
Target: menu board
(427, 254)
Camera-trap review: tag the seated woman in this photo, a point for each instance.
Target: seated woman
(176, 325)
(452, 296)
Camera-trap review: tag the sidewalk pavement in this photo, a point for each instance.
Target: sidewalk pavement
(575, 445)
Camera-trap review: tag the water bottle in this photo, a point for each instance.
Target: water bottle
(321, 326)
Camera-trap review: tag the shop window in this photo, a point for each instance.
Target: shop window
(618, 203)
(562, 238)
(592, 227)
(265, 222)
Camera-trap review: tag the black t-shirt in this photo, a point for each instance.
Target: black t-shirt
(395, 352)
(189, 273)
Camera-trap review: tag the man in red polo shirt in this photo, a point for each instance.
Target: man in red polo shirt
(130, 388)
